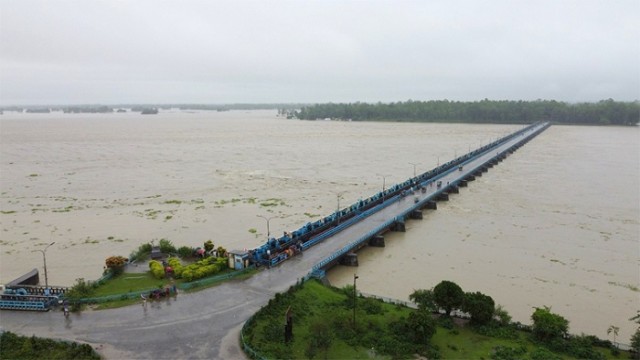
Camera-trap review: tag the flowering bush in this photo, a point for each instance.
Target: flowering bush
(116, 264)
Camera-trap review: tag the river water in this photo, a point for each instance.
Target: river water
(556, 224)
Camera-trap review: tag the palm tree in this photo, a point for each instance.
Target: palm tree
(614, 330)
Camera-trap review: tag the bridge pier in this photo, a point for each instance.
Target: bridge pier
(377, 241)
(470, 178)
(432, 205)
(416, 215)
(443, 196)
(399, 226)
(350, 259)
(463, 183)
(453, 190)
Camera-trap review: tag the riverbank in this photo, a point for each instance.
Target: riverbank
(326, 324)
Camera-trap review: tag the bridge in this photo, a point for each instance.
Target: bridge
(206, 324)
(365, 221)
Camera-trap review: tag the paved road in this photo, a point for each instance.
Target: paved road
(206, 324)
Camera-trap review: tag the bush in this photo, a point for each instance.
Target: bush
(176, 266)
(208, 246)
(81, 289)
(142, 253)
(185, 251)
(157, 270)
(543, 354)
(166, 247)
(505, 352)
(116, 264)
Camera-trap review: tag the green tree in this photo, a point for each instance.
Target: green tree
(635, 338)
(421, 327)
(502, 316)
(481, 307)
(547, 325)
(448, 296)
(424, 299)
(321, 338)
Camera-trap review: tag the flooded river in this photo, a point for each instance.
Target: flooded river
(556, 224)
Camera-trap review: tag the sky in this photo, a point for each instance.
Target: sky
(216, 52)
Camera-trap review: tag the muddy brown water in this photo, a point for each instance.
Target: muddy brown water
(556, 224)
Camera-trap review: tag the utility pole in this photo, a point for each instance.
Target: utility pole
(338, 196)
(355, 277)
(414, 168)
(44, 257)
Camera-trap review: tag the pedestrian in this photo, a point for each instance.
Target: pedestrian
(144, 300)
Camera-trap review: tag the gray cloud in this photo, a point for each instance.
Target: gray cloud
(317, 51)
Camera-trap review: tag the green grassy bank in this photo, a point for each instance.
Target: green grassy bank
(323, 328)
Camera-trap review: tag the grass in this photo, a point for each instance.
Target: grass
(128, 282)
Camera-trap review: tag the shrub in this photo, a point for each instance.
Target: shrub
(142, 253)
(81, 289)
(166, 246)
(157, 270)
(547, 325)
(208, 245)
(187, 275)
(185, 251)
(116, 264)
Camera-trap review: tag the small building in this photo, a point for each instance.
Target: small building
(238, 259)
(156, 253)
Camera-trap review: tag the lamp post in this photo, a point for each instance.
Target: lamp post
(414, 168)
(267, 219)
(355, 277)
(384, 183)
(338, 196)
(44, 257)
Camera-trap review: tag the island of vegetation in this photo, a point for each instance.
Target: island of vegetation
(605, 112)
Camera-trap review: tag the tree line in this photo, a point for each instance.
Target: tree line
(605, 112)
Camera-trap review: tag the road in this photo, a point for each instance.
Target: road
(204, 324)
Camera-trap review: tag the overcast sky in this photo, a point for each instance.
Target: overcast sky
(138, 51)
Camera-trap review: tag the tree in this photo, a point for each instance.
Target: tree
(635, 343)
(321, 338)
(502, 316)
(421, 327)
(614, 330)
(448, 295)
(547, 325)
(481, 307)
(424, 299)
(635, 338)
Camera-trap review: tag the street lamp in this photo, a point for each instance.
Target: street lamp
(44, 257)
(267, 219)
(384, 183)
(338, 196)
(414, 168)
(354, 300)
